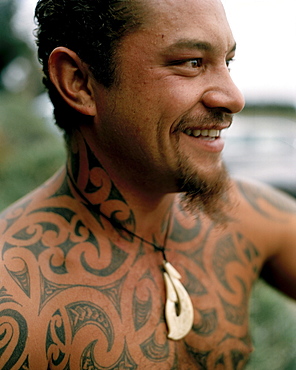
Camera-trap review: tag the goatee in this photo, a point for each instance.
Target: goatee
(206, 194)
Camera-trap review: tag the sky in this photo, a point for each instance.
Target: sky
(265, 32)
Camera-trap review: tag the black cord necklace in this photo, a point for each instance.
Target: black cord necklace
(179, 312)
(118, 225)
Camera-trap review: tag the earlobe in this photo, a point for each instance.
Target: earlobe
(72, 80)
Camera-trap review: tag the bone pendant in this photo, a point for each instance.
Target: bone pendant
(178, 309)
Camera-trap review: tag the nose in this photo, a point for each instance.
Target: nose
(223, 93)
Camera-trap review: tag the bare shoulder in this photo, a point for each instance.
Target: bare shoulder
(265, 199)
(267, 215)
(272, 216)
(16, 266)
(28, 218)
(23, 229)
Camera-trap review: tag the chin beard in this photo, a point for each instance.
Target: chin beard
(205, 193)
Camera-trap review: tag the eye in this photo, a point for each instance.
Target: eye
(194, 63)
(188, 67)
(189, 63)
(229, 62)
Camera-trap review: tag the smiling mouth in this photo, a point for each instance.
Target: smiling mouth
(203, 134)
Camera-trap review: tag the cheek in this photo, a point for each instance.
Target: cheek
(147, 102)
(178, 97)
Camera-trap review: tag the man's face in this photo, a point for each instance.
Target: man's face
(160, 124)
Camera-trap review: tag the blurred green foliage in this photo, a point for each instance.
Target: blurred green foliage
(273, 329)
(30, 150)
(13, 49)
(10, 45)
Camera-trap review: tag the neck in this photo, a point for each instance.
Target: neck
(128, 211)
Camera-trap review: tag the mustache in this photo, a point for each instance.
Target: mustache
(214, 119)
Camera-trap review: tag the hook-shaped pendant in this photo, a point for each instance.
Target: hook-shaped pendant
(178, 309)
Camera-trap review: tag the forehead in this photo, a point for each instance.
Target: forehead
(173, 20)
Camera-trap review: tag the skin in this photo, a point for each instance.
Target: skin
(170, 92)
(77, 293)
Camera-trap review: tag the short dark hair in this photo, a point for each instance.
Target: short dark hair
(92, 29)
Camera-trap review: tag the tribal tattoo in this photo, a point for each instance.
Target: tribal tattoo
(73, 298)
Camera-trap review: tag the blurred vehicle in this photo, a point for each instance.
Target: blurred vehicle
(263, 148)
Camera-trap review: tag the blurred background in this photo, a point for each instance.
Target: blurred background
(261, 143)
(31, 148)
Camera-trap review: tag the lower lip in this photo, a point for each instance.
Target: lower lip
(209, 145)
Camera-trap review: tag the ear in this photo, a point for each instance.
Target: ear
(72, 79)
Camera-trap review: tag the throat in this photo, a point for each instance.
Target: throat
(129, 211)
(111, 207)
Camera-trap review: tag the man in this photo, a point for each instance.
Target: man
(88, 261)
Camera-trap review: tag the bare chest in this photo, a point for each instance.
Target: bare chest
(70, 322)
(70, 301)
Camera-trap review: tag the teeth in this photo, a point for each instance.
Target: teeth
(196, 133)
(188, 132)
(204, 133)
(214, 133)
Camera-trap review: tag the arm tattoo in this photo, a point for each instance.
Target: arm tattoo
(256, 194)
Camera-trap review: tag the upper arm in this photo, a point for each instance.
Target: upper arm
(280, 269)
(275, 212)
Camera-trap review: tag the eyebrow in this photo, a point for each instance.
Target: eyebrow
(194, 44)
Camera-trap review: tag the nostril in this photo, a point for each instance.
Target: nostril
(225, 110)
(227, 101)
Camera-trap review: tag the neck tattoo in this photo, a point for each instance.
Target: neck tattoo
(179, 313)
